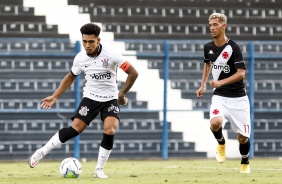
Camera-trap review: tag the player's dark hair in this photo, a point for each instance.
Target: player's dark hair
(90, 29)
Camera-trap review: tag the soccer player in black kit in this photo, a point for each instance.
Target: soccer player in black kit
(223, 58)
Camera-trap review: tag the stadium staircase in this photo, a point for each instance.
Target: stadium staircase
(251, 20)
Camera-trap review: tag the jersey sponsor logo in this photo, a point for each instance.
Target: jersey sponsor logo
(221, 67)
(220, 64)
(100, 76)
(113, 108)
(100, 96)
(83, 111)
(105, 63)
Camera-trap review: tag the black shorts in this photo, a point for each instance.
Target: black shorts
(89, 109)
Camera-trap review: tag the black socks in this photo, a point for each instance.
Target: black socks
(244, 151)
(219, 136)
(67, 133)
(107, 141)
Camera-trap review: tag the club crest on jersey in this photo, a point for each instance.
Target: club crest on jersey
(225, 55)
(113, 108)
(105, 63)
(83, 111)
(215, 111)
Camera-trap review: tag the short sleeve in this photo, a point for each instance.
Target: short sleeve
(118, 58)
(238, 57)
(76, 69)
(206, 58)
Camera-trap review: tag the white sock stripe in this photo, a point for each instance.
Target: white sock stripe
(221, 139)
(245, 156)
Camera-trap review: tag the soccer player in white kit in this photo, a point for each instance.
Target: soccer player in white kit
(99, 62)
(223, 58)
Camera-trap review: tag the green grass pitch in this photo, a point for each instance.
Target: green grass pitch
(174, 171)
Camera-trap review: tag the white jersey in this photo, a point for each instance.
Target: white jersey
(100, 73)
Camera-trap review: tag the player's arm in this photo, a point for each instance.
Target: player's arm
(239, 75)
(205, 76)
(48, 102)
(239, 65)
(132, 75)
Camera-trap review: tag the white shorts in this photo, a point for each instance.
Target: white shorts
(234, 110)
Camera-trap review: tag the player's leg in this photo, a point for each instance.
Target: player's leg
(217, 121)
(81, 120)
(241, 123)
(216, 128)
(110, 118)
(57, 140)
(110, 125)
(244, 148)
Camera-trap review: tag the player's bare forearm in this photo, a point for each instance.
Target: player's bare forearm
(49, 101)
(206, 73)
(239, 75)
(132, 75)
(64, 85)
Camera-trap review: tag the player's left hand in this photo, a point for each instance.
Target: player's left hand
(122, 100)
(215, 84)
(48, 102)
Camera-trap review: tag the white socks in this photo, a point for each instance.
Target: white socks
(102, 157)
(55, 142)
(51, 144)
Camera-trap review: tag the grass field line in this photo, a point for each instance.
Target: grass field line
(253, 169)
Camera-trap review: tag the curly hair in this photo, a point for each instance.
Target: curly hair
(90, 29)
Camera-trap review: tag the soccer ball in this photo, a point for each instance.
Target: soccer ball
(70, 168)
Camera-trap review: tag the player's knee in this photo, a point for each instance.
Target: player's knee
(110, 130)
(242, 139)
(216, 123)
(110, 125)
(78, 125)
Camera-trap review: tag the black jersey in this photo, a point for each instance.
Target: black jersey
(225, 62)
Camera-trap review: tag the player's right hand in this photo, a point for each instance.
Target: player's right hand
(200, 92)
(122, 100)
(48, 102)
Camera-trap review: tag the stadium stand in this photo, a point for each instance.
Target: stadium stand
(29, 77)
(19, 21)
(181, 19)
(253, 20)
(34, 58)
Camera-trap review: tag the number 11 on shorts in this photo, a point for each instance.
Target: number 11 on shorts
(247, 128)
